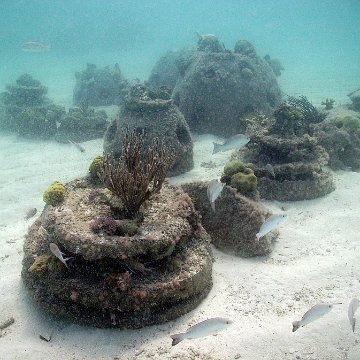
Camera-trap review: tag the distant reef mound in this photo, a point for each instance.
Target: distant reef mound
(215, 87)
(100, 87)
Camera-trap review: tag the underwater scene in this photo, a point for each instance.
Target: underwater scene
(179, 179)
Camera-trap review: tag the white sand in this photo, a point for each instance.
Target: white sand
(316, 258)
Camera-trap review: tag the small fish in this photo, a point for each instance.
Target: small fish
(270, 170)
(213, 191)
(234, 142)
(203, 328)
(34, 46)
(316, 312)
(270, 224)
(78, 146)
(56, 252)
(354, 304)
(30, 213)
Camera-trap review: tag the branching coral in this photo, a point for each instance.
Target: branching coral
(135, 179)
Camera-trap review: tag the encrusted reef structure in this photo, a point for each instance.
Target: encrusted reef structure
(339, 134)
(287, 161)
(216, 86)
(100, 87)
(82, 124)
(127, 255)
(155, 115)
(169, 68)
(234, 224)
(27, 111)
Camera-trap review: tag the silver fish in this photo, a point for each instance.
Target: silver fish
(270, 224)
(213, 191)
(30, 213)
(203, 328)
(270, 170)
(34, 46)
(234, 142)
(56, 252)
(77, 145)
(354, 304)
(316, 312)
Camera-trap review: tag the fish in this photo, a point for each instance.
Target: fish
(204, 328)
(270, 224)
(213, 191)
(30, 213)
(354, 304)
(34, 46)
(270, 170)
(56, 252)
(77, 145)
(234, 142)
(316, 312)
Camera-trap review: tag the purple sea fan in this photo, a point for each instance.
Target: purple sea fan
(105, 224)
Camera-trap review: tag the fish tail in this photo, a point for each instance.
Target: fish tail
(296, 325)
(213, 206)
(353, 322)
(176, 338)
(65, 261)
(258, 236)
(216, 147)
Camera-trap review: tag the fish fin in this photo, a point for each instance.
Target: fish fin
(258, 236)
(176, 338)
(296, 325)
(216, 148)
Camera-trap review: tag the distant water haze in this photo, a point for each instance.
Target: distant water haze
(317, 42)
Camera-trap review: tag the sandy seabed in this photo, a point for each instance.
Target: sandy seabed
(316, 258)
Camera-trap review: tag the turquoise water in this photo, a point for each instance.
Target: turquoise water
(316, 41)
(318, 45)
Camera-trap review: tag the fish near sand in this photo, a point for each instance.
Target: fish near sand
(204, 328)
(77, 145)
(316, 312)
(234, 142)
(270, 224)
(34, 46)
(56, 252)
(354, 304)
(213, 191)
(30, 213)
